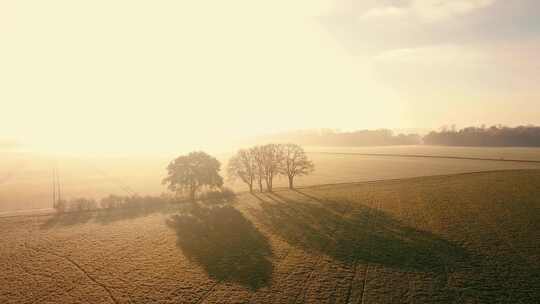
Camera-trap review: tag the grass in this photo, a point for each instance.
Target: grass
(465, 238)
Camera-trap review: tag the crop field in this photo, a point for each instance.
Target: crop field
(462, 238)
(517, 153)
(26, 182)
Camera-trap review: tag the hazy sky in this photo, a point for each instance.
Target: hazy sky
(109, 75)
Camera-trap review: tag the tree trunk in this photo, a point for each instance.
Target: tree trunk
(269, 183)
(192, 191)
(251, 188)
(291, 186)
(260, 185)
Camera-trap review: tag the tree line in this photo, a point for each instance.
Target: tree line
(495, 136)
(260, 165)
(187, 175)
(197, 176)
(329, 137)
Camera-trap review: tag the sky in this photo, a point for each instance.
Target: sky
(151, 76)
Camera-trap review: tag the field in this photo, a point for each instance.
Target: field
(26, 180)
(517, 153)
(462, 238)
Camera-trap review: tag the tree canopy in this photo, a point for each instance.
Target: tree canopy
(264, 163)
(495, 136)
(243, 165)
(295, 162)
(189, 173)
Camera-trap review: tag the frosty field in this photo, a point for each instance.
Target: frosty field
(465, 238)
(27, 179)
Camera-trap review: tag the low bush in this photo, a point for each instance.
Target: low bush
(147, 203)
(112, 202)
(82, 204)
(221, 193)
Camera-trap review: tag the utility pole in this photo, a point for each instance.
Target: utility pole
(54, 188)
(57, 193)
(58, 183)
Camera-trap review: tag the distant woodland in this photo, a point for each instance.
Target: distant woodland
(495, 136)
(328, 137)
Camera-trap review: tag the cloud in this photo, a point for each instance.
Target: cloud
(427, 10)
(493, 83)
(384, 12)
(447, 70)
(431, 56)
(379, 26)
(432, 67)
(437, 10)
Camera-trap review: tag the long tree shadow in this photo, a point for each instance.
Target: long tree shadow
(67, 219)
(226, 244)
(100, 216)
(111, 216)
(352, 232)
(108, 216)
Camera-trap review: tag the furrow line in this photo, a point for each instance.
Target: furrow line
(208, 293)
(366, 272)
(81, 269)
(349, 290)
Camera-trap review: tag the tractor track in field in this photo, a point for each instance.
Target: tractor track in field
(440, 256)
(307, 281)
(349, 290)
(280, 262)
(216, 284)
(501, 237)
(79, 267)
(208, 293)
(305, 284)
(364, 283)
(367, 265)
(88, 275)
(378, 207)
(479, 246)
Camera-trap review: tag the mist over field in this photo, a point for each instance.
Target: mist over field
(27, 181)
(249, 151)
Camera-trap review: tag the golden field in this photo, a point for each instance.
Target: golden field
(465, 238)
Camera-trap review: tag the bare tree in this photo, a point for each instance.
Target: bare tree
(243, 166)
(111, 202)
(295, 162)
(272, 157)
(189, 173)
(258, 157)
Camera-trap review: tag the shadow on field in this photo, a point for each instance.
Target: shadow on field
(351, 232)
(226, 244)
(111, 216)
(67, 219)
(138, 207)
(106, 216)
